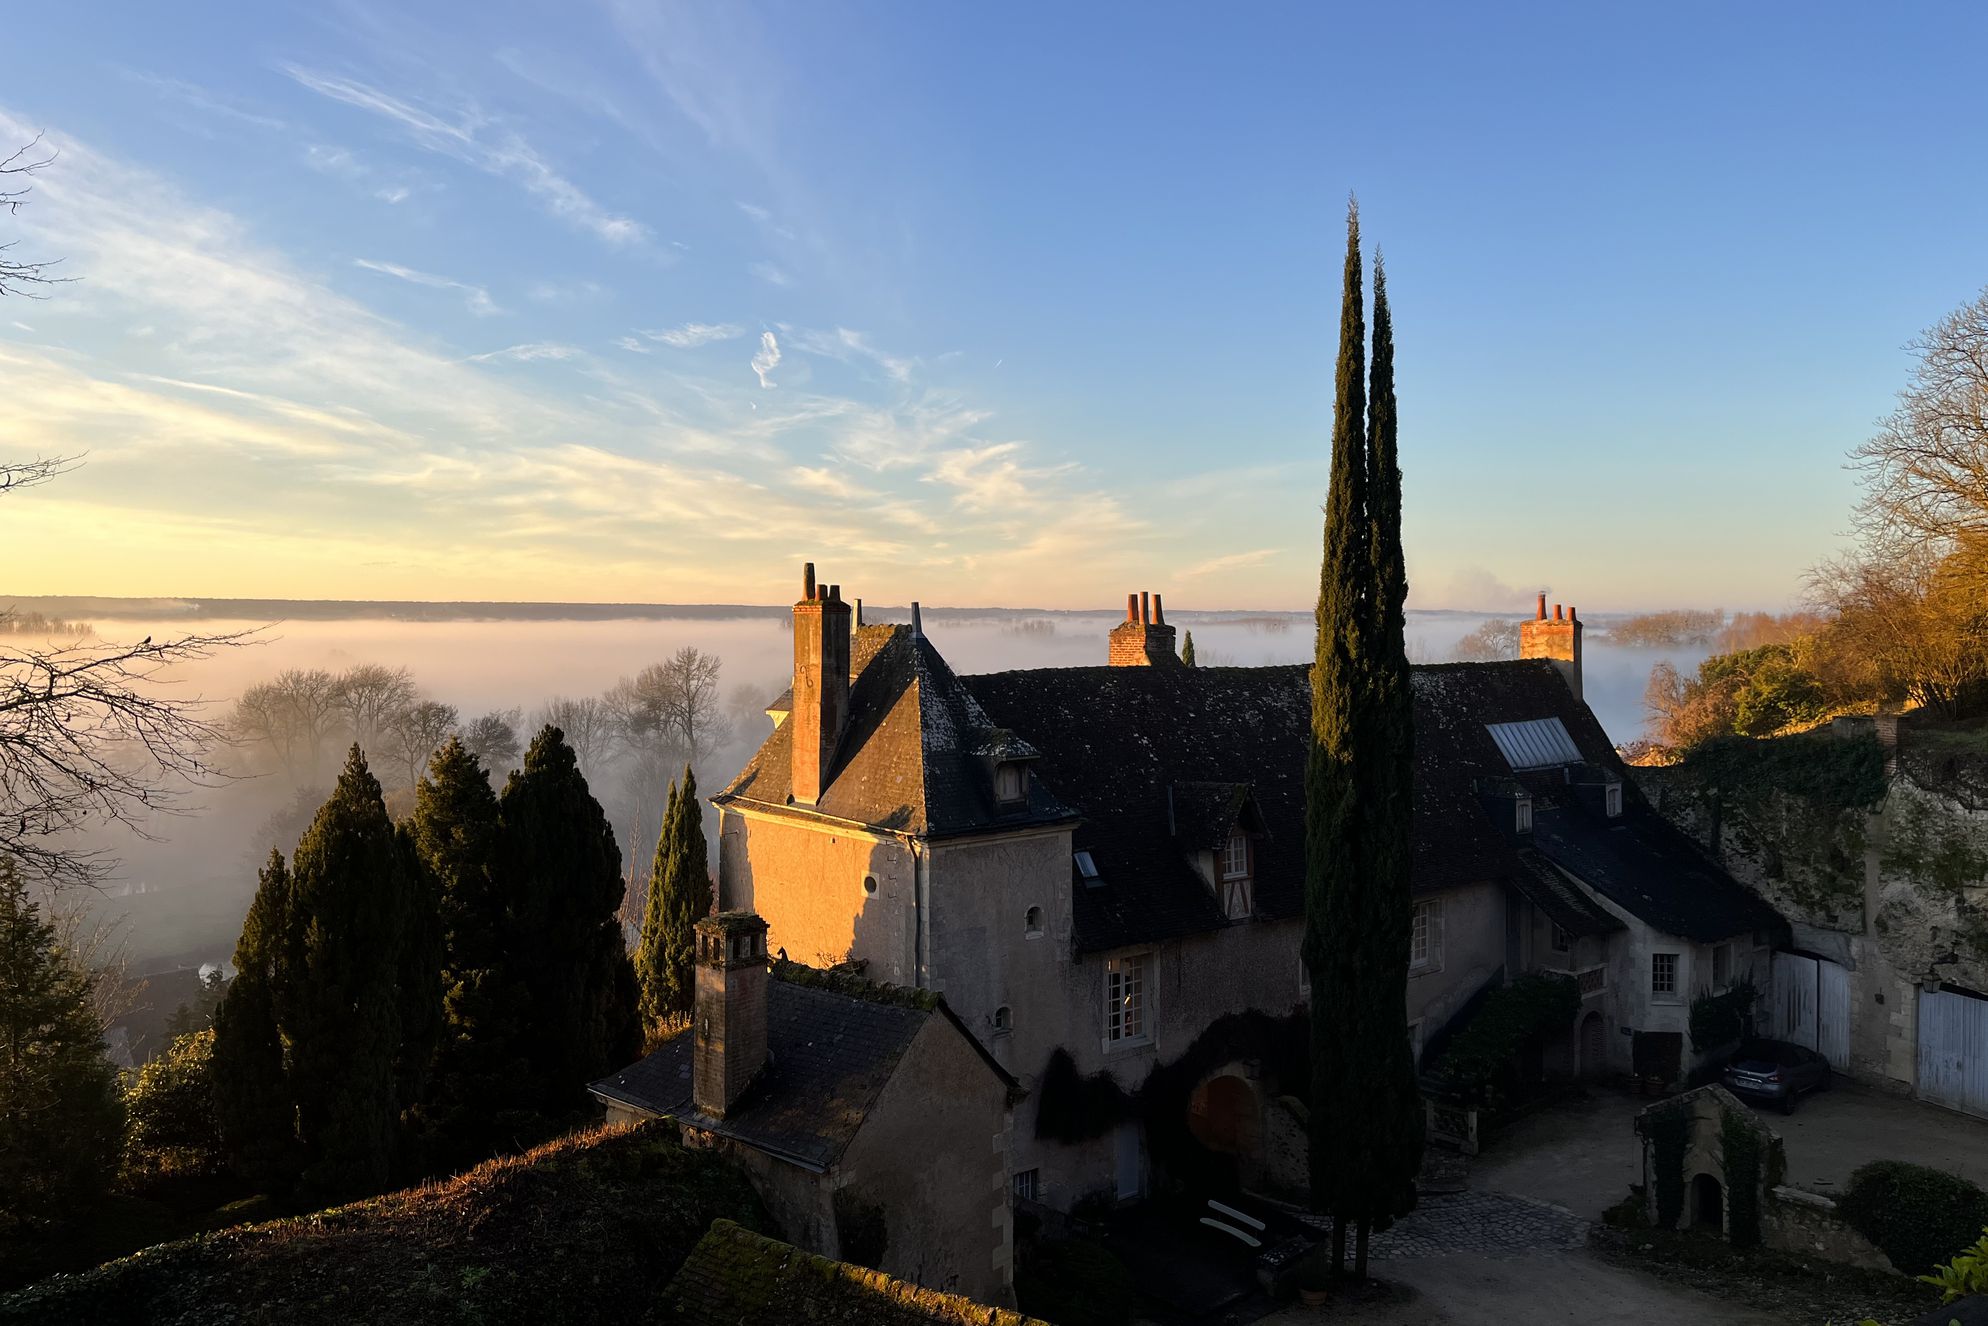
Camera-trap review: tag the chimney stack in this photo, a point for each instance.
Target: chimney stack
(821, 684)
(729, 1006)
(1557, 639)
(917, 622)
(1143, 639)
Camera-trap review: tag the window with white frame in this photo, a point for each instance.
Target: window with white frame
(1127, 1018)
(1010, 782)
(1663, 975)
(1522, 820)
(1562, 941)
(1425, 936)
(1612, 800)
(1026, 1184)
(1235, 857)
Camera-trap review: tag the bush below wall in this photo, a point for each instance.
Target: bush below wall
(1918, 1216)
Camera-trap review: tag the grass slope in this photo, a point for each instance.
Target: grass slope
(588, 1228)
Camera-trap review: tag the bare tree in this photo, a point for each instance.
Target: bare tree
(22, 277)
(493, 739)
(291, 718)
(1910, 624)
(1493, 640)
(672, 707)
(1926, 471)
(368, 696)
(417, 732)
(87, 738)
(589, 725)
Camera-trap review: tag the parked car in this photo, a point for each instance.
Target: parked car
(1776, 1071)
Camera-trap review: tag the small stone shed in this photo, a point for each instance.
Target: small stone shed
(1708, 1163)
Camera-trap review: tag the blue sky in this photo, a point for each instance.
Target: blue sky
(977, 304)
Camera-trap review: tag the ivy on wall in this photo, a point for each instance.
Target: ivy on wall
(1740, 1153)
(1668, 1128)
(1482, 1060)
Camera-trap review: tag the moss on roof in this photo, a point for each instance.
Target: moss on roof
(735, 1277)
(580, 1229)
(853, 984)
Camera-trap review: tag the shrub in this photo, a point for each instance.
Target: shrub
(1966, 1274)
(1917, 1216)
(170, 1127)
(1483, 1056)
(1721, 1019)
(1074, 1282)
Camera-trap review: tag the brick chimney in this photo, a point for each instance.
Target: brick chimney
(1558, 639)
(1143, 639)
(821, 684)
(729, 1010)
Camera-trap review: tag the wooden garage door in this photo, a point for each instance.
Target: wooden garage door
(1810, 1005)
(1953, 1050)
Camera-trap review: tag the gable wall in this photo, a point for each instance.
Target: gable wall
(806, 880)
(933, 1154)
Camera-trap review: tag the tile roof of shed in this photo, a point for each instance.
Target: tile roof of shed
(734, 1277)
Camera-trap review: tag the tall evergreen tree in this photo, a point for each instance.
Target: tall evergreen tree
(342, 1002)
(61, 1116)
(1386, 769)
(560, 872)
(679, 896)
(252, 1100)
(478, 1099)
(1187, 650)
(1334, 946)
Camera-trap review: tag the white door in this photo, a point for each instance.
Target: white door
(1131, 1161)
(1832, 1014)
(1953, 1051)
(1794, 1000)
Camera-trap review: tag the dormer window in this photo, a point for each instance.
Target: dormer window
(1611, 800)
(1522, 814)
(1238, 900)
(1011, 783)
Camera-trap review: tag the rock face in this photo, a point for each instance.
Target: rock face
(1877, 855)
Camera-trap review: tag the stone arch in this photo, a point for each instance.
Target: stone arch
(1708, 1204)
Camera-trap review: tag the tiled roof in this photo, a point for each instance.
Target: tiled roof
(829, 1055)
(1563, 901)
(734, 1277)
(916, 755)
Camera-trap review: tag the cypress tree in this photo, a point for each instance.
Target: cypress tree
(476, 1101)
(252, 1101)
(61, 1115)
(679, 896)
(340, 1001)
(560, 873)
(1333, 944)
(1187, 650)
(1386, 768)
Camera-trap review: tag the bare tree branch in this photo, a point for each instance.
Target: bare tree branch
(19, 276)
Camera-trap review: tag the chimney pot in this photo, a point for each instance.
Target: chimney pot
(1556, 612)
(1131, 607)
(835, 593)
(1159, 613)
(1570, 613)
(808, 581)
(917, 623)
(1542, 607)
(859, 612)
(1145, 607)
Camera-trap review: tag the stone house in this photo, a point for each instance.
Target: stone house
(843, 1102)
(1098, 865)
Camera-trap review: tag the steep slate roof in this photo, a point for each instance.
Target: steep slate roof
(915, 755)
(829, 1054)
(1646, 867)
(734, 1277)
(1563, 901)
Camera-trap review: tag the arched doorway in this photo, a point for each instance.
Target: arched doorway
(1708, 1204)
(1594, 1049)
(1222, 1115)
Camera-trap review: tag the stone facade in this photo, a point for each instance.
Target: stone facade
(1143, 639)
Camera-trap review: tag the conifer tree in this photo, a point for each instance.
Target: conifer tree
(341, 1002)
(560, 872)
(61, 1116)
(1333, 945)
(1187, 650)
(252, 1100)
(679, 896)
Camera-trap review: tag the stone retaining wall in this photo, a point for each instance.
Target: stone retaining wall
(1807, 1224)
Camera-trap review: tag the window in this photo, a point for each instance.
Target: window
(1522, 818)
(1238, 901)
(1722, 966)
(1612, 800)
(1010, 782)
(869, 883)
(1663, 975)
(1562, 941)
(1125, 1018)
(1235, 857)
(1425, 939)
(1032, 923)
(1026, 1184)
(1004, 1020)
(1087, 869)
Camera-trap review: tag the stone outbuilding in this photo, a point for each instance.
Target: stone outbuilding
(874, 1125)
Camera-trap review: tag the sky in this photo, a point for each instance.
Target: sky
(1024, 305)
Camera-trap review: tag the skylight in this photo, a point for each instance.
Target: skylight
(1087, 869)
(1536, 743)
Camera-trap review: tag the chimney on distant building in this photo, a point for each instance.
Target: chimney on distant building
(1557, 639)
(729, 1008)
(821, 684)
(1143, 639)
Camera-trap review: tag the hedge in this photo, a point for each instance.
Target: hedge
(1483, 1055)
(1919, 1217)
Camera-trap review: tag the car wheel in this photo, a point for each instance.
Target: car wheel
(1791, 1101)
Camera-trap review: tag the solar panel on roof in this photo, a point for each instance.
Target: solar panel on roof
(1536, 743)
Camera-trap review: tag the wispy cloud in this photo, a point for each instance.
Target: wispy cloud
(770, 274)
(526, 353)
(768, 358)
(1230, 562)
(633, 345)
(693, 334)
(470, 137)
(475, 297)
(846, 345)
(203, 99)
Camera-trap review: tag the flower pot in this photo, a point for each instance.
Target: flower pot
(1313, 1298)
